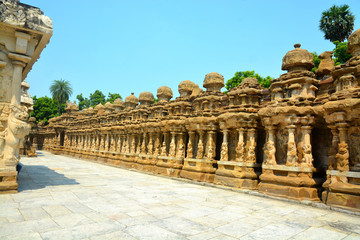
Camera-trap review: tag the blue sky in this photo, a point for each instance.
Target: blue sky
(129, 46)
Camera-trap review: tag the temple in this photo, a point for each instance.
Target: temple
(24, 33)
(299, 139)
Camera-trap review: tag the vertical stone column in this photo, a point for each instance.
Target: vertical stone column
(334, 148)
(138, 143)
(133, 142)
(200, 147)
(164, 144)
(181, 146)
(19, 62)
(307, 158)
(251, 152)
(97, 143)
(172, 150)
(291, 148)
(157, 144)
(224, 147)
(143, 145)
(190, 148)
(270, 147)
(151, 145)
(112, 143)
(240, 148)
(211, 151)
(342, 157)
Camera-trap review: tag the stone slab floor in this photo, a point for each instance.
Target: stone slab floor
(66, 198)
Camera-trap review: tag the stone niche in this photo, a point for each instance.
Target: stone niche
(299, 139)
(25, 31)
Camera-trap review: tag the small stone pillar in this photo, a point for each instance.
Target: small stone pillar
(291, 148)
(240, 148)
(270, 147)
(172, 151)
(190, 148)
(224, 146)
(181, 146)
(200, 148)
(251, 151)
(211, 151)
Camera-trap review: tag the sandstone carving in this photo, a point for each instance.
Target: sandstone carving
(293, 140)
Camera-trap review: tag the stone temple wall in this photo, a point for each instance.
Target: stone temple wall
(24, 33)
(299, 139)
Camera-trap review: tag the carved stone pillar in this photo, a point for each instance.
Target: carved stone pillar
(211, 147)
(138, 143)
(224, 147)
(292, 157)
(342, 157)
(151, 145)
(157, 144)
(181, 146)
(172, 151)
(240, 148)
(307, 158)
(164, 144)
(270, 147)
(112, 143)
(251, 152)
(190, 148)
(200, 147)
(334, 148)
(133, 142)
(143, 145)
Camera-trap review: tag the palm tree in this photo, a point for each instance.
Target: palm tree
(337, 23)
(61, 91)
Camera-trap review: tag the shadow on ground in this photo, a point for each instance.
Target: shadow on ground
(36, 177)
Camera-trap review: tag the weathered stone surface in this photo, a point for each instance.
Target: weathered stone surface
(292, 140)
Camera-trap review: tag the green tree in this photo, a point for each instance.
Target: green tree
(337, 23)
(61, 91)
(340, 52)
(83, 102)
(112, 96)
(45, 108)
(317, 61)
(239, 76)
(96, 98)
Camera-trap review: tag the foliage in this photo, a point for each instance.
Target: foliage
(239, 76)
(337, 23)
(45, 108)
(96, 98)
(83, 102)
(61, 91)
(317, 61)
(112, 96)
(340, 53)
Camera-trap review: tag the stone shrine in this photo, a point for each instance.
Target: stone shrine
(299, 139)
(24, 33)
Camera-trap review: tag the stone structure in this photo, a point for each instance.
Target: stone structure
(297, 140)
(25, 31)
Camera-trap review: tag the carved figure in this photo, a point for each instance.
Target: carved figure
(270, 153)
(251, 154)
(240, 152)
(16, 130)
(307, 156)
(224, 152)
(342, 157)
(190, 150)
(291, 154)
(172, 149)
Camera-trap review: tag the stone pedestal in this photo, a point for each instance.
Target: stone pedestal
(295, 183)
(201, 170)
(238, 174)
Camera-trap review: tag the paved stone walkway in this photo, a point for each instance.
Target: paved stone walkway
(65, 198)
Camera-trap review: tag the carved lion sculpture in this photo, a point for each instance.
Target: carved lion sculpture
(16, 130)
(342, 158)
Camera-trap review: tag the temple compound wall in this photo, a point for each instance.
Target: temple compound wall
(24, 33)
(299, 139)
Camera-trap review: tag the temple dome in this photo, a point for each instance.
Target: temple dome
(146, 98)
(185, 88)
(98, 107)
(119, 104)
(131, 101)
(108, 107)
(297, 59)
(164, 93)
(354, 43)
(213, 81)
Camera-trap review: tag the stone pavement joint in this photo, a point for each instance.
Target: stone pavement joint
(65, 198)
